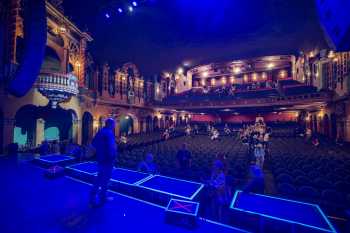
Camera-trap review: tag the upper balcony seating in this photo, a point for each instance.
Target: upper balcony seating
(298, 89)
(288, 87)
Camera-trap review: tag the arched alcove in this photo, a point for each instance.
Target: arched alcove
(87, 128)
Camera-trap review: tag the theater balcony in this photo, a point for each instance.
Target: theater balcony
(249, 98)
(57, 87)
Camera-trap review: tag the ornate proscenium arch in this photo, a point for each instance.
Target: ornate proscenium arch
(35, 36)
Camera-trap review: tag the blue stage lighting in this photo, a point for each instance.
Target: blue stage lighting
(134, 4)
(130, 9)
(120, 10)
(107, 15)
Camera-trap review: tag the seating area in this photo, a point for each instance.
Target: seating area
(288, 87)
(313, 174)
(203, 152)
(283, 129)
(139, 140)
(199, 94)
(301, 171)
(298, 89)
(259, 93)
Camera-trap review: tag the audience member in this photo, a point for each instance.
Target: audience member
(148, 165)
(259, 153)
(256, 183)
(217, 189)
(124, 139)
(184, 158)
(315, 141)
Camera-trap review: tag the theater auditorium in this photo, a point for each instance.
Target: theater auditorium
(174, 116)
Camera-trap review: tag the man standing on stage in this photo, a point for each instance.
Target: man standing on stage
(106, 153)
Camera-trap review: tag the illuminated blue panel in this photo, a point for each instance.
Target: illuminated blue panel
(172, 186)
(86, 167)
(55, 158)
(294, 212)
(120, 175)
(129, 177)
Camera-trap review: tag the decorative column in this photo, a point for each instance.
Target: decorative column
(39, 131)
(82, 61)
(76, 136)
(9, 125)
(12, 32)
(117, 127)
(65, 61)
(105, 80)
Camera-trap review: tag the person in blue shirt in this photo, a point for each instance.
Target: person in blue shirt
(148, 165)
(106, 153)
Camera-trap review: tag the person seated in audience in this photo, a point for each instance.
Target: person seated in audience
(232, 90)
(188, 130)
(315, 141)
(148, 165)
(124, 139)
(205, 90)
(166, 134)
(214, 134)
(308, 134)
(266, 140)
(171, 129)
(227, 130)
(259, 154)
(196, 130)
(256, 182)
(339, 141)
(184, 158)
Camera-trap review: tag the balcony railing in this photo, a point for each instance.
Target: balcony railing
(187, 103)
(57, 87)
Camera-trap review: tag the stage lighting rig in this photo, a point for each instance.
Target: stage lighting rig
(120, 7)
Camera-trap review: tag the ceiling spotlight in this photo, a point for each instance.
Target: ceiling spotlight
(237, 70)
(270, 65)
(134, 3)
(130, 9)
(107, 15)
(180, 70)
(205, 74)
(186, 63)
(120, 10)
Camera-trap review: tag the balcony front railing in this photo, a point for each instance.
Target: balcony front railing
(57, 87)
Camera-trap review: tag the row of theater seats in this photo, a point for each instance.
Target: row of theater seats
(139, 140)
(193, 96)
(301, 171)
(203, 152)
(286, 88)
(314, 174)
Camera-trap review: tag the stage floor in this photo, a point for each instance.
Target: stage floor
(31, 203)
